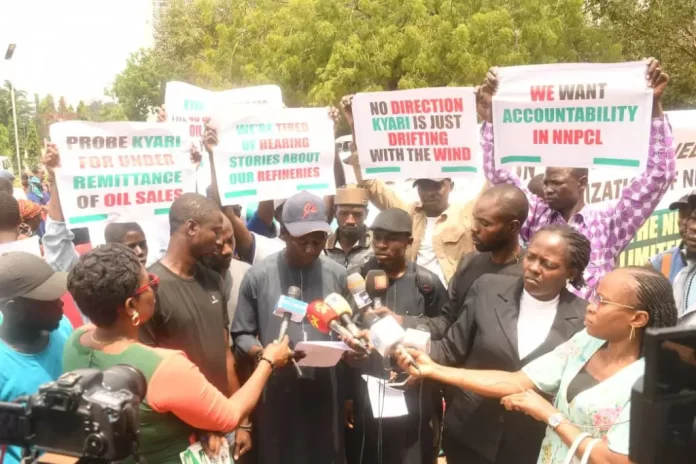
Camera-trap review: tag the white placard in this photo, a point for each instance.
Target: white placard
(573, 115)
(273, 155)
(125, 171)
(420, 133)
(186, 103)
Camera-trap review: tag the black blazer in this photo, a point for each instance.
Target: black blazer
(485, 337)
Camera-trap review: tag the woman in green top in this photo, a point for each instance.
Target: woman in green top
(112, 288)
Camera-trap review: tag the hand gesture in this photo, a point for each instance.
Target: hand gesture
(531, 403)
(347, 106)
(195, 155)
(335, 115)
(51, 160)
(484, 95)
(161, 114)
(425, 364)
(242, 444)
(210, 139)
(211, 442)
(278, 352)
(657, 79)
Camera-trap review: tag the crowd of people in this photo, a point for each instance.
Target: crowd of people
(535, 337)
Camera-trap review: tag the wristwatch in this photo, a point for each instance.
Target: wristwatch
(555, 420)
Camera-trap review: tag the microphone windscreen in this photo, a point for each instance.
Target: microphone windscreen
(294, 292)
(377, 283)
(356, 283)
(338, 304)
(320, 315)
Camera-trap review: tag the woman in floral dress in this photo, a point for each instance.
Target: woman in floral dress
(590, 376)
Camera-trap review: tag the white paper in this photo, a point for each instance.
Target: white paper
(28, 245)
(417, 133)
(385, 400)
(321, 354)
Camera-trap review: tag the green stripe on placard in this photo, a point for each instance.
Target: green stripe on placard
(312, 186)
(241, 193)
(458, 169)
(382, 170)
(160, 211)
(616, 162)
(90, 218)
(520, 159)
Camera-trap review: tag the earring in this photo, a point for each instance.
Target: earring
(632, 335)
(136, 319)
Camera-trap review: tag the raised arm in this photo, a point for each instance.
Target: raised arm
(59, 249)
(641, 196)
(178, 386)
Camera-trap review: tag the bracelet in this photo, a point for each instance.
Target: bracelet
(245, 427)
(588, 451)
(261, 358)
(574, 447)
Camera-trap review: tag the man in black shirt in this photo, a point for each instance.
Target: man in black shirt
(191, 311)
(413, 291)
(498, 216)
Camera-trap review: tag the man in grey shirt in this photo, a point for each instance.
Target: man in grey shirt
(299, 419)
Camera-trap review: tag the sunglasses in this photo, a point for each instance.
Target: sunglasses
(153, 283)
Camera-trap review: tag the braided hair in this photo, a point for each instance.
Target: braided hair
(654, 294)
(579, 249)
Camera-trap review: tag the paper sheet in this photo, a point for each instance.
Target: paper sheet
(385, 401)
(321, 354)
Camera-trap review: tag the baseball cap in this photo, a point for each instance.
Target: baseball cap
(393, 220)
(438, 179)
(4, 174)
(683, 201)
(278, 203)
(29, 276)
(304, 213)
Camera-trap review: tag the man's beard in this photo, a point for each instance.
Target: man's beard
(353, 232)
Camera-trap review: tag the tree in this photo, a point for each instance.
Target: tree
(139, 87)
(111, 112)
(82, 112)
(31, 145)
(320, 50)
(47, 114)
(65, 112)
(665, 29)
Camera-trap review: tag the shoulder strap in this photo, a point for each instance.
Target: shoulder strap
(666, 265)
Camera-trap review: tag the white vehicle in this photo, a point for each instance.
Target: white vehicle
(5, 163)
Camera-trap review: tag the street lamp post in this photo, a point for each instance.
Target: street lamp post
(8, 56)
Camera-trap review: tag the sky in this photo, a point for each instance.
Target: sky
(72, 48)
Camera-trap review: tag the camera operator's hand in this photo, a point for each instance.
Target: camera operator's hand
(278, 352)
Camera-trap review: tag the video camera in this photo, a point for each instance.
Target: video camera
(663, 401)
(86, 413)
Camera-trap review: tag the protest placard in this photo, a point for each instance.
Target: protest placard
(186, 103)
(126, 171)
(420, 133)
(273, 155)
(573, 115)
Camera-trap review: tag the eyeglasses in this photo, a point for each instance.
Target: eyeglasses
(598, 301)
(153, 282)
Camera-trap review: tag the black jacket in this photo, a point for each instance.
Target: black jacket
(485, 337)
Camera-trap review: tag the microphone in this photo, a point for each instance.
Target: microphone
(356, 286)
(290, 308)
(342, 308)
(418, 338)
(324, 318)
(377, 284)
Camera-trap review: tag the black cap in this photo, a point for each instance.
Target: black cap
(438, 180)
(304, 213)
(28, 276)
(393, 220)
(683, 201)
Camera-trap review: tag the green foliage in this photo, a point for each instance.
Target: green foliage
(320, 50)
(665, 29)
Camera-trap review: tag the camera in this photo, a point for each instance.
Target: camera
(86, 413)
(663, 401)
